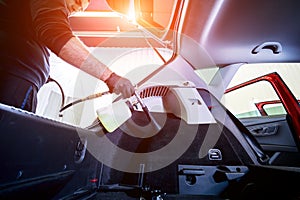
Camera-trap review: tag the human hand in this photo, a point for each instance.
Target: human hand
(118, 84)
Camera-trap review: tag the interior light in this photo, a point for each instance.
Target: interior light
(131, 12)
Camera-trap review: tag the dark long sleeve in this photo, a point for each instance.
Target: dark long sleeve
(51, 23)
(28, 29)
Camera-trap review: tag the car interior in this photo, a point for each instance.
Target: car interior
(215, 114)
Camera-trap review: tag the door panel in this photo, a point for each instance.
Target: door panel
(273, 133)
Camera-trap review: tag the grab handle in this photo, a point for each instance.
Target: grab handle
(274, 46)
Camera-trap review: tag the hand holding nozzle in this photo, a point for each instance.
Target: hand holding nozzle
(118, 84)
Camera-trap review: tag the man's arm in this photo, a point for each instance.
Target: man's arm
(51, 24)
(77, 54)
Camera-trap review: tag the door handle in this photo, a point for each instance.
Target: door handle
(265, 130)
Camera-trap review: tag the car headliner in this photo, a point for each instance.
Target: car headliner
(230, 30)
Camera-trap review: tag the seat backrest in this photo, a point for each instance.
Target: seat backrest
(228, 120)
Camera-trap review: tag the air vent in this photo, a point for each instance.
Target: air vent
(154, 91)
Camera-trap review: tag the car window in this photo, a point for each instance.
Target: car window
(243, 101)
(260, 98)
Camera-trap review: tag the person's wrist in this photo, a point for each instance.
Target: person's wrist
(106, 74)
(111, 81)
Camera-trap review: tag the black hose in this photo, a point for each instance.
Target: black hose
(60, 88)
(93, 96)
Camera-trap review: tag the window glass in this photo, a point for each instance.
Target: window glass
(259, 98)
(242, 102)
(274, 109)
